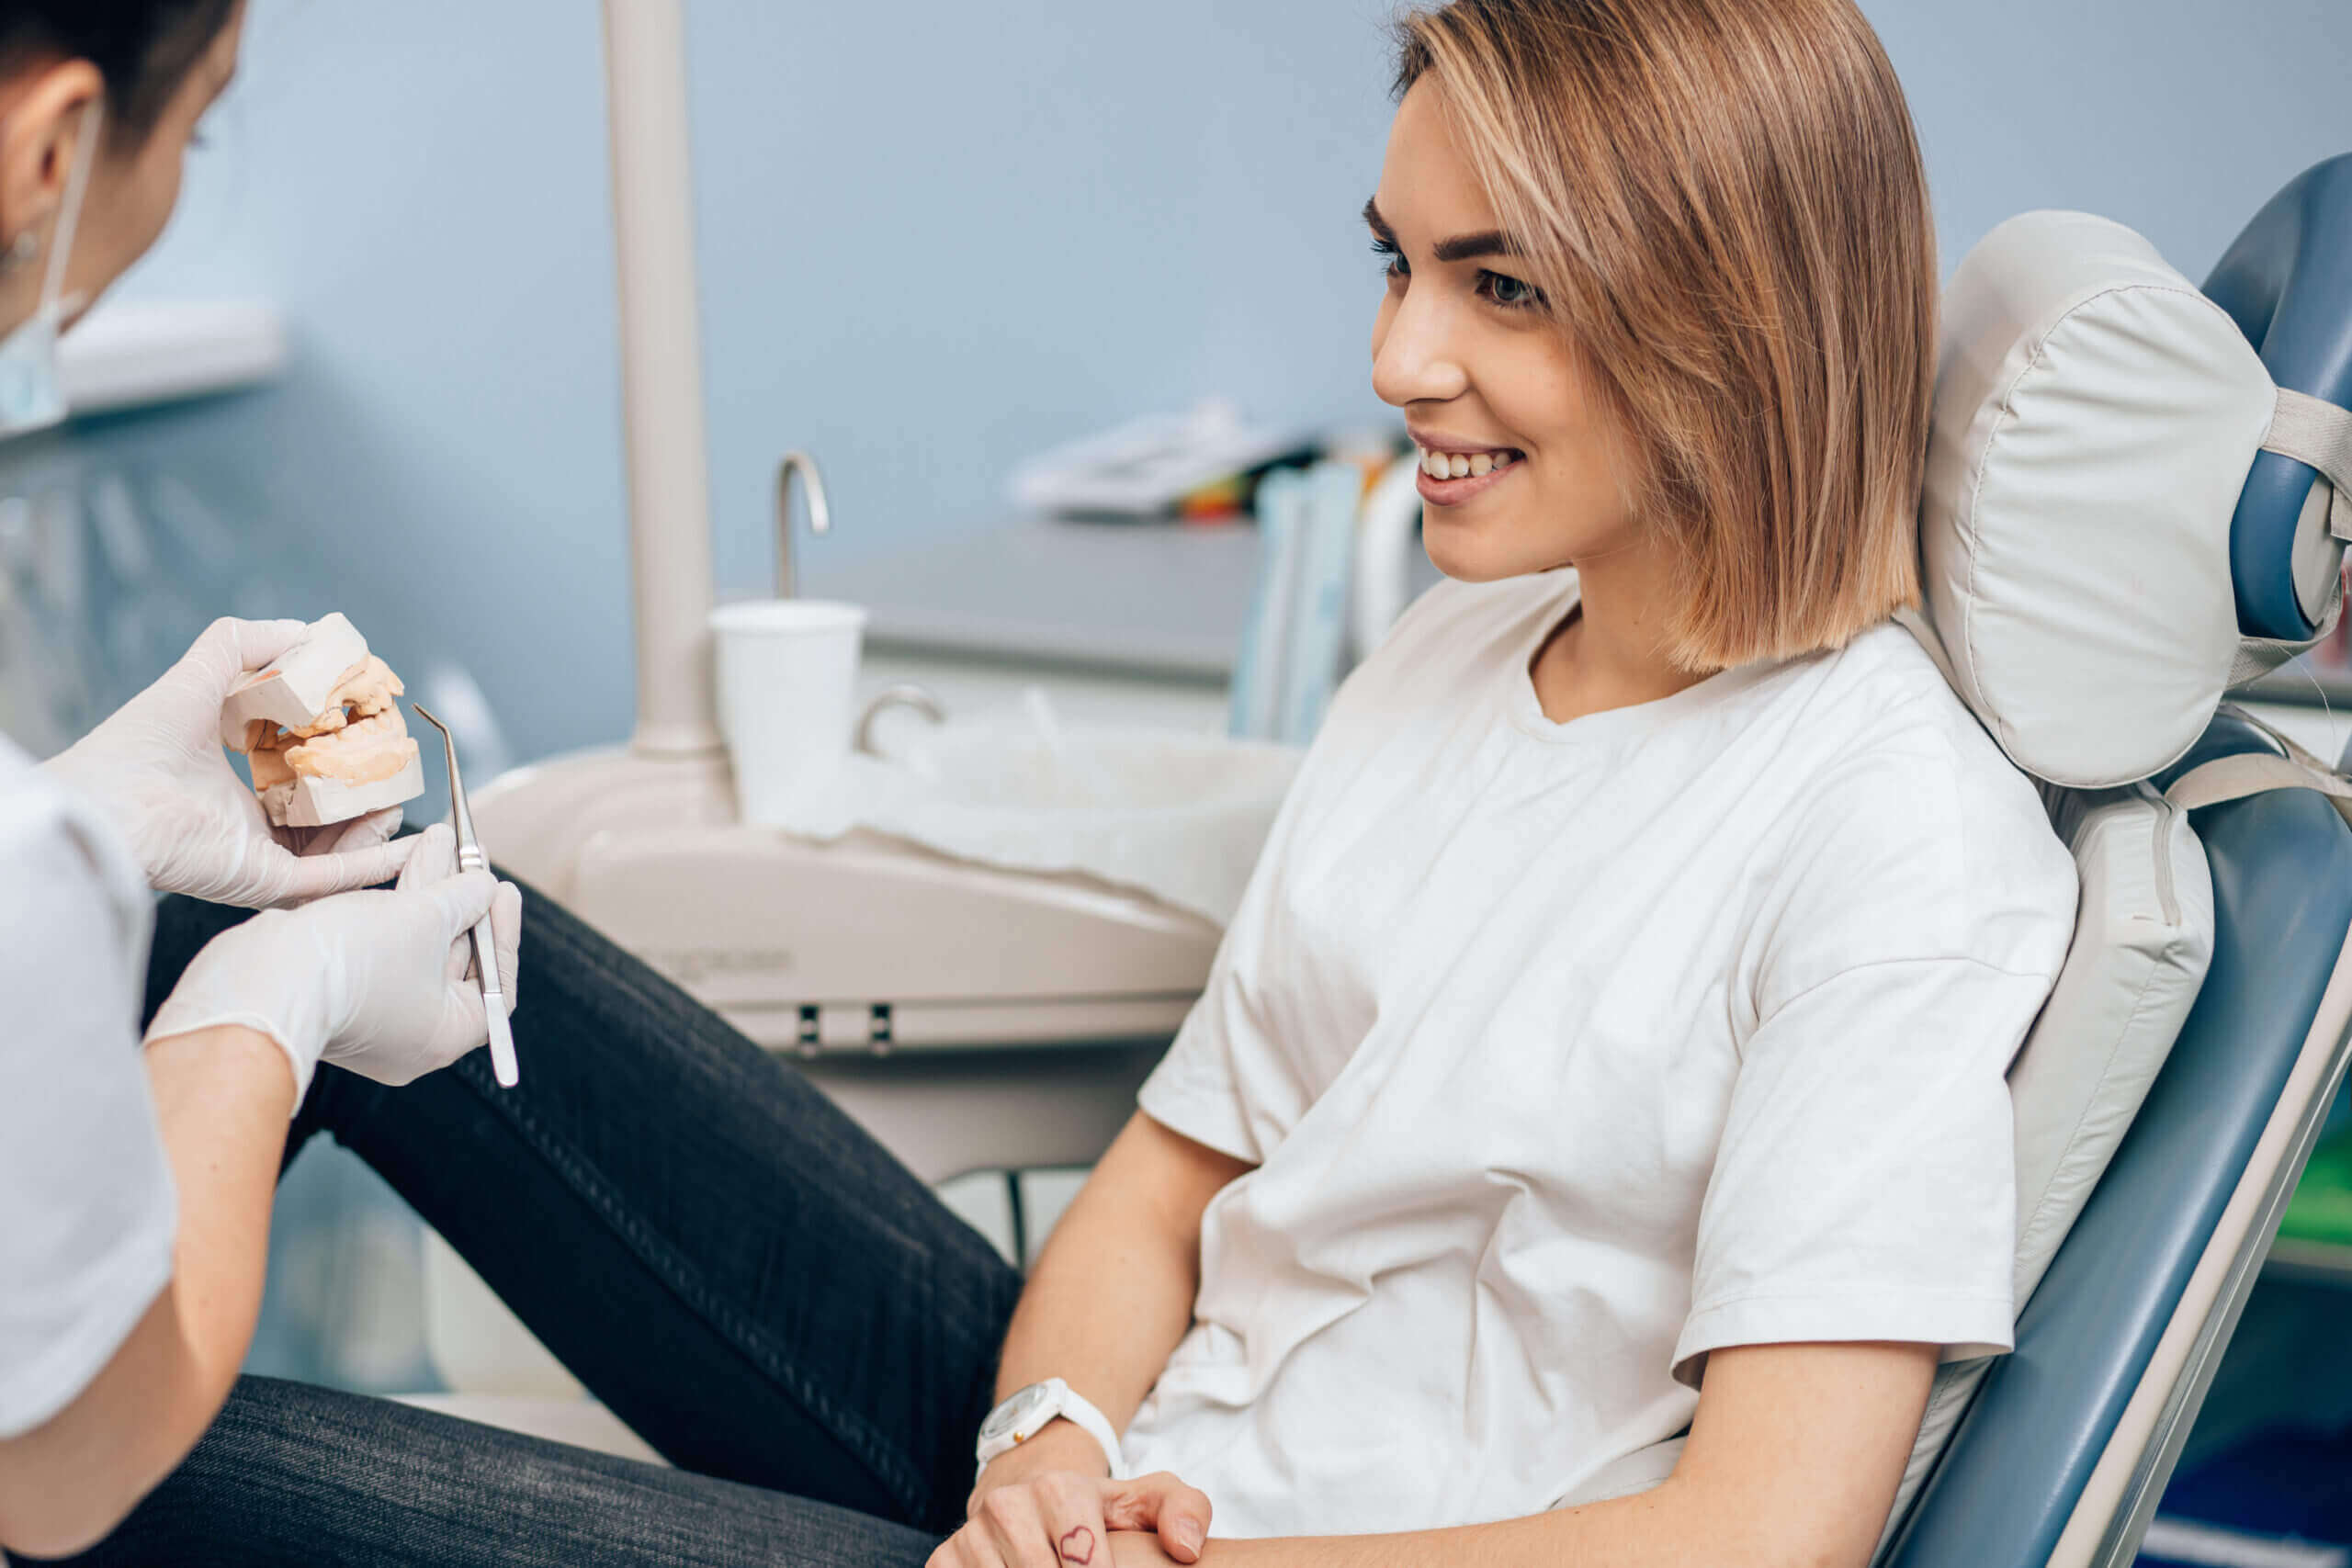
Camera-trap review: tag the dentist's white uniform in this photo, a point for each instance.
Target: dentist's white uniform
(88, 1213)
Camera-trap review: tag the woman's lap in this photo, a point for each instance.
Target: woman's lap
(292, 1474)
(733, 1266)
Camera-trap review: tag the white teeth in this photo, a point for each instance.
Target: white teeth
(1455, 465)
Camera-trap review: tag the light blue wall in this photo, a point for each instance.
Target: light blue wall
(2175, 116)
(936, 235)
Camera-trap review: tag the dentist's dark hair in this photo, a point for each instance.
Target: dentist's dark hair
(143, 48)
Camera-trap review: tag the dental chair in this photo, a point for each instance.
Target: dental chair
(2115, 495)
(2137, 497)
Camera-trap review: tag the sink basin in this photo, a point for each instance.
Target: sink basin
(1182, 817)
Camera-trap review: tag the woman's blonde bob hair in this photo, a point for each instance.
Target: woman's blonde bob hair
(1723, 202)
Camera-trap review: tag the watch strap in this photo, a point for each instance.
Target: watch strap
(1066, 1402)
(1080, 1412)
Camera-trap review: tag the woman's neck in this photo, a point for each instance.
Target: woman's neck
(1609, 651)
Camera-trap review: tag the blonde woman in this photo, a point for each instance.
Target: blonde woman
(1593, 1131)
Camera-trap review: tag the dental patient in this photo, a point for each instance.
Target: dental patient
(1593, 1133)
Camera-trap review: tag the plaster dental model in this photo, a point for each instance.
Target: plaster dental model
(326, 741)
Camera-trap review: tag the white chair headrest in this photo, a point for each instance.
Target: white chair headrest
(2095, 418)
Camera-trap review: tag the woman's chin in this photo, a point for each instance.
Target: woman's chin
(1469, 552)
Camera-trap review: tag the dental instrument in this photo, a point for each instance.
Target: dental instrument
(471, 858)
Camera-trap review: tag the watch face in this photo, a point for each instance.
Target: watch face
(1018, 1411)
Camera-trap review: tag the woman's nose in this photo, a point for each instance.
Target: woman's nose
(1413, 356)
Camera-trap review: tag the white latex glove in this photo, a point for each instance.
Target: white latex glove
(372, 981)
(157, 771)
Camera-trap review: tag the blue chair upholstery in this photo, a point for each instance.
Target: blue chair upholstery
(2287, 281)
(2017, 1464)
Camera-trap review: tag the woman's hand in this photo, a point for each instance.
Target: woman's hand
(1047, 1504)
(157, 771)
(1137, 1549)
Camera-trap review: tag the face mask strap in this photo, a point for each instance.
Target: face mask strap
(69, 215)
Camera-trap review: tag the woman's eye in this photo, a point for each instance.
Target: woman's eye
(1392, 259)
(1510, 292)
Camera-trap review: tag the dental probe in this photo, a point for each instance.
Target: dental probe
(471, 858)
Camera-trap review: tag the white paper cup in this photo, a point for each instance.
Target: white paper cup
(787, 682)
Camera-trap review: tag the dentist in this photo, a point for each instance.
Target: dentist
(135, 1184)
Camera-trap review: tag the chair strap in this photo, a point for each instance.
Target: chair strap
(2257, 773)
(2318, 434)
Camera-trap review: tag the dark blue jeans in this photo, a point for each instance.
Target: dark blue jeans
(721, 1255)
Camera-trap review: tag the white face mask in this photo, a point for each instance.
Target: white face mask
(32, 397)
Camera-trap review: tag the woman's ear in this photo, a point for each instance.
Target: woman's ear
(40, 129)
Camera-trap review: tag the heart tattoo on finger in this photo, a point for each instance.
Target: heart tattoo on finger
(1078, 1546)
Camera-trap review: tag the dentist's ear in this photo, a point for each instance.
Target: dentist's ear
(40, 125)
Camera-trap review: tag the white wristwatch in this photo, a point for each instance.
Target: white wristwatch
(1023, 1415)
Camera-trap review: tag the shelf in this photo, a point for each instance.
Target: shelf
(2310, 1263)
(136, 353)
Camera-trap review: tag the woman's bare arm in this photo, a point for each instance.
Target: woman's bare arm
(1793, 1458)
(223, 1097)
(1113, 1292)
(1104, 1307)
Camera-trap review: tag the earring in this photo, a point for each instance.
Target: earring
(26, 247)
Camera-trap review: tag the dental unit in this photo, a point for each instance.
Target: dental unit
(839, 949)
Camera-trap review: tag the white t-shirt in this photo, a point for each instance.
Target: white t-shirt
(88, 1210)
(1569, 1053)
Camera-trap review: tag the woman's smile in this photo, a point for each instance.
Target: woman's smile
(1449, 478)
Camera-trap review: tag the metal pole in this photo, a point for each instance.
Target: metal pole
(662, 409)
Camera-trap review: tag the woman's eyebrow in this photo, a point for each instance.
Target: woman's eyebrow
(1461, 247)
(1468, 247)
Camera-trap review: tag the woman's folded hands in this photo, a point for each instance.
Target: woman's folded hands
(1048, 1503)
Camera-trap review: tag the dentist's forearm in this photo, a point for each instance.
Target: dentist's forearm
(223, 1098)
(1112, 1292)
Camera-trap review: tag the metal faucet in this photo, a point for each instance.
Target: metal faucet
(821, 516)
